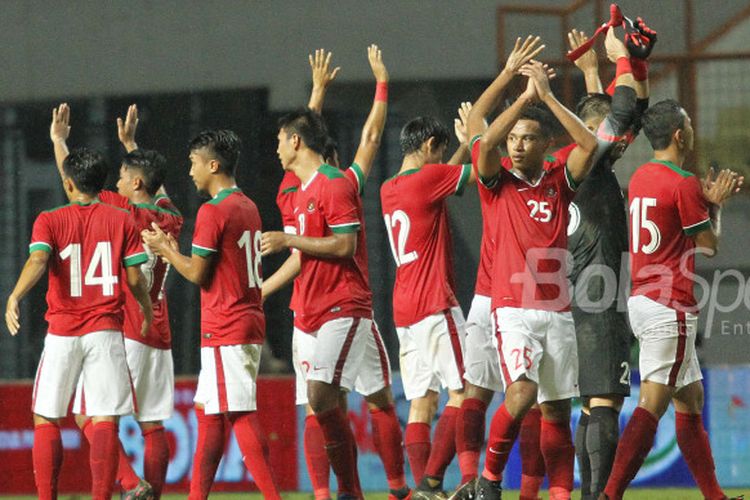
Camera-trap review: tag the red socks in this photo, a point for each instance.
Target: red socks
(125, 475)
(503, 432)
(388, 441)
(470, 436)
(417, 442)
(696, 449)
(559, 457)
(103, 458)
(339, 447)
(532, 460)
(443, 444)
(47, 455)
(317, 460)
(208, 452)
(254, 447)
(155, 458)
(635, 443)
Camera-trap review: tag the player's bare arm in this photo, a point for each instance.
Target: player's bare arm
(126, 128)
(137, 284)
(373, 128)
(490, 99)
(579, 161)
(194, 268)
(322, 76)
(59, 131)
(616, 50)
(335, 246)
(32, 271)
(283, 276)
(587, 63)
(716, 191)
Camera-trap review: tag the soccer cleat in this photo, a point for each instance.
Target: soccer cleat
(402, 494)
(425, 494)
(488, 490)
(466, 491)
(142, 491)
(738, 497)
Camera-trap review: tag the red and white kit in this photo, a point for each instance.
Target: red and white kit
(89, 246)
(228, 230)
(429, 322)
(667, 209)
(533, 326)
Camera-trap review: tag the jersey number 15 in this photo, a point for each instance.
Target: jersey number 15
(639, 220)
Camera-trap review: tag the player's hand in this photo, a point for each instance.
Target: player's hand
(126, 129)
(376, 63)
(719, 188)
(588, 61)
(12, 315)
(148, 319)
(540, 74)
(523, 52)
(320, 63)
(614, 46)
(156, 240)
(59, 130)
(273, 242)
(640, 41)
(459, 124)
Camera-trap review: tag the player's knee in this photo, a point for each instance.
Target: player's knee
(556, 411)
(380, 400)
(322, 397)
(423, 409)
(520, 397)
(475, 392)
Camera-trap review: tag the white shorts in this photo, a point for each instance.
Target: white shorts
(97, 359)
(152, 371)
(667, 342)
(227, 378)
(348, 352)
(540, 345)
(431, 353)
(480, 356)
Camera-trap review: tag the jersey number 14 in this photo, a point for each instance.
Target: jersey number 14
(101, 260)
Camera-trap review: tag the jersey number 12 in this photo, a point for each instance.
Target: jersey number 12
(399, 252)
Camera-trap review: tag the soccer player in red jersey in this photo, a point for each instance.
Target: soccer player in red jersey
(429, 321)
(149, 358)
(226, 264)
(88, 247)
(531, 317)
(673, 216)
(385, 425)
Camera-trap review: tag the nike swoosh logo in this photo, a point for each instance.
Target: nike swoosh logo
(523, 189)
(496, 452)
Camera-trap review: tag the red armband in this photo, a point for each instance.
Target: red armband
(623, 67)
(381, 91)
(640, 68)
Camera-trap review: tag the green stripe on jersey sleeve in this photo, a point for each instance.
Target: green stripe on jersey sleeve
(202, 251)
(360, 175)
(473, 140)
(40, 245)
(464, 179)
(345, 228)
(571, 182)
(697, 228)
(135, 259)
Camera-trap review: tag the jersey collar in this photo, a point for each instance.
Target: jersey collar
(309, 181)
(523, 178)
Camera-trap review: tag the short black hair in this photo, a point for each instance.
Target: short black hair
(224, 145)
(150, 164)
(309, 126)
(595, 105)
(661, 121)
(548, 125)
(330, 149)
(419, 130)
(87, 169)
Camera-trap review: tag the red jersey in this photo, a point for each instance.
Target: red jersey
(285, 201)
(529, 264)
(90, 244)
(228, 228)
(154, 269)
(331, 288)
(667, 208)
(416, 220)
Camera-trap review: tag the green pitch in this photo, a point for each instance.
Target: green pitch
(632, 494)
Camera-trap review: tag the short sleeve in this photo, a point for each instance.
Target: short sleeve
(207, 235)
(341, 206)
(692, 206)
(114, 199)
(489, 183)
(134, 252)
(442, 180)
(41, 235)
(165, 203)
(357, 176)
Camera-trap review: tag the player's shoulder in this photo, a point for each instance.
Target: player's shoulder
(222, 198)
(331, 173)
(289, 184)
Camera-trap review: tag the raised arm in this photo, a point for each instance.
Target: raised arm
(579, 161)
(462, 153)
(587, 63)
(59, 131)
(373, 128)
(32, 271)
(490, 99)
(126, 128)
(320, 64)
